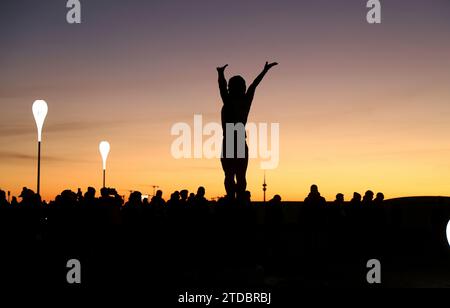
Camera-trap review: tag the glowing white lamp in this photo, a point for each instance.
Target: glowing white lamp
(448, 232)
(104, 151)
(40, 110)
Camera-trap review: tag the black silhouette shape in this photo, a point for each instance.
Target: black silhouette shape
(3, 201)
(368, 198)
(157, 200)
(356, 200)
(200, 197)
(314, 198)
(184, 194)
(378, 199)
(237, 100)
(14, 202)
(274, 211)
(89, 197)
(29, 198)
(212, 238)
(339, 200)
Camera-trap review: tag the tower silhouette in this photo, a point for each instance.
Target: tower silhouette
(264, 186)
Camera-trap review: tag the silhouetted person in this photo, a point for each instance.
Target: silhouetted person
(79, 195)
(200, 206)
(68, 199)
(3, 201)
(134, 201)
(110, 203)
(314, 198)
(145, 203)
(173, 204)
(339, 200)
(184, 205)
(157, 205)
(184, 194)
(276, 200)
(29, 198)
(378, 199)
(110, 197)
(157, 200)
(356, 200)
(131, 209)
(191, 199)
(200, 196)
(174, 199)
(237, 100)
(247, 198)
(368, 198)
(14, 202)
(274, 212)
(89, 197)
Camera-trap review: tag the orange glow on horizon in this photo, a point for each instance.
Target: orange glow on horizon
(359, 106)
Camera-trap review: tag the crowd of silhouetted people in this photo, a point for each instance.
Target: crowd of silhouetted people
(189, 234)
(110, 207)
(178, 199)
(315, 199)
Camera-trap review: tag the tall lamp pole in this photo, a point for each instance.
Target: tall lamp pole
(154, 189)
(40, 110)
(104, 148)
(264, 187)
(448, 232)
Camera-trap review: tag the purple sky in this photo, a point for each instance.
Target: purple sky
(360, 106)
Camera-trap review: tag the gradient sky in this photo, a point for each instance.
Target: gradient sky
(360, 106)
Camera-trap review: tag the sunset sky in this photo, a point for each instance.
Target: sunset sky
(360, 106)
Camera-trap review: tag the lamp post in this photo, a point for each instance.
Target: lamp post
(264, 186)
(104, 151)
(40, 110)
(154, 189)
(448, 232)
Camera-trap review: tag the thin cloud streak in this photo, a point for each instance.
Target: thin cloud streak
(17, 156)
(22, 130)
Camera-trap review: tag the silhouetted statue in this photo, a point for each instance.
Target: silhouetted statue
(314, 198)
(378, 199)
(237, 100)
(368, 198)
(356, 200)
